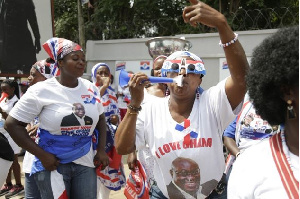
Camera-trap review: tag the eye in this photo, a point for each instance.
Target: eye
(191, 67)
(175, 66)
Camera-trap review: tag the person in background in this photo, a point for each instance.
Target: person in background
(39, 72)
(150, 94)
(64, 156)
(123, 96)
(270, 169)
(6, 157)
(111, 178)
(12, 89)
(187, 124)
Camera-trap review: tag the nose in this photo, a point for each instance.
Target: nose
(190, 178)
(182, 71)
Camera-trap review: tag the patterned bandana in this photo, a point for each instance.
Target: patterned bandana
(95, 68)
(47, 69)
(191, 66)
(58, 48)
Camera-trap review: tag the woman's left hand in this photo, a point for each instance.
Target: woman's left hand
(101, 158)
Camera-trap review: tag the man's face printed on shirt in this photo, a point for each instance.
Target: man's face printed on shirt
(79, 110)
(186, 175)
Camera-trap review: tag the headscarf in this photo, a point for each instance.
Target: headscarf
(95, 68)
(58, 48)
(48, 70)
(198, 63)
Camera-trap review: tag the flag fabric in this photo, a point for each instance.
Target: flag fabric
(58, 185)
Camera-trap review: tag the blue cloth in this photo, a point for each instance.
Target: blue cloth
(230, 130)
(65, 148)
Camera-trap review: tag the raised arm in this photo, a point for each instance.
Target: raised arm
(126, 132)
(200, 12)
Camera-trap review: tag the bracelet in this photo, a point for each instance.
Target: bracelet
(231, 42)
(237, 154)
(136, 109)
(132, 113)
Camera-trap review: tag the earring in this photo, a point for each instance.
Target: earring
(198, 93)
(167, 93)
(290, 110)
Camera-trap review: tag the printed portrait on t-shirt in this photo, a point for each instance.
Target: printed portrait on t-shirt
(186, 177)
(77, 117)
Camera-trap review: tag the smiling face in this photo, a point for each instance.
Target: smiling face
(79, 110)
(35, 76)
(73, 64)
(186, 175)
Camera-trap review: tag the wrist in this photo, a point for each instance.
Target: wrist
(134, 108)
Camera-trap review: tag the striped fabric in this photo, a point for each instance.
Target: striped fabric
(289, 182)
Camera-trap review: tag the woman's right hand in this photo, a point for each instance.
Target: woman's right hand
(49, 161)
(132, 160)
(136, 84)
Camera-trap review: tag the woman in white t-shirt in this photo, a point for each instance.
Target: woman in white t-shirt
(69, 109)
(186, 125)
(40, 71)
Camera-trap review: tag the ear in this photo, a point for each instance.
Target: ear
(59, 63)
(171, 172)
(289, 93)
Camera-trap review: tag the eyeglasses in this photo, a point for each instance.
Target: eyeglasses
(185, 173)
(190, 66)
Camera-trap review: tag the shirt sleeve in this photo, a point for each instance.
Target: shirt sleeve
(28, 107)
(230, 130)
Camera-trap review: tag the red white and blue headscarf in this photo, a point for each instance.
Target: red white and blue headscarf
(95, 68)
(48, 70)
(198, 64)
(58, 48)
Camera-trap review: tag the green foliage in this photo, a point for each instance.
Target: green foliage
(118, 20)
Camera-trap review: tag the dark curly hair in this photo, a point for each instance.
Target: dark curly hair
(274, 66)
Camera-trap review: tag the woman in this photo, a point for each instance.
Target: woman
(182, 126)
(111, 178)
(11, 88)
(39, 72)
(270, 169)
(69, 110)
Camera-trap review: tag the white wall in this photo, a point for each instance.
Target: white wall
(132, 51)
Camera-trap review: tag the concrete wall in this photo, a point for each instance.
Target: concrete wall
(204, 45)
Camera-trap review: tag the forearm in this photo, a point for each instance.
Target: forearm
(231, 145)
(237, 64)
(101, 126)
(18, 132)
(126, 133)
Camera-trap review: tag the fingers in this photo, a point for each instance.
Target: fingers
(193, 2)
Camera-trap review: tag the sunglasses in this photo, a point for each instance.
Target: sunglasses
(190, 66)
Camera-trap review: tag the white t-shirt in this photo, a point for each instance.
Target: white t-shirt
(254, 174)
(52, 102)
(210, 115)
(6, 106)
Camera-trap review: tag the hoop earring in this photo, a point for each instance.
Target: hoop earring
(290, 110)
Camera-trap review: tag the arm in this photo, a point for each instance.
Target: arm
(101, 157)
(34, 25)
(126, 132)
(235, 86)
(229, 138)
(18, 132)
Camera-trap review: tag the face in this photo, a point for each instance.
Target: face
(79, 110)
(186, 175)
(73, 64)
(102, 72)
(157, 66)
(7, 89)
(190, 82)
(35, 76)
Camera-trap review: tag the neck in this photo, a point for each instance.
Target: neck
(291, 130)
(181, 109)
(70, 82)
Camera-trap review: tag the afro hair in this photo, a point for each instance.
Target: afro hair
(274, 66)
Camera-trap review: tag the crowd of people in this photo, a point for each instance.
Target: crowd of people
(75, 131)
